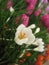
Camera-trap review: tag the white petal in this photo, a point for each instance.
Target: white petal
(31, 39)
(41, 46)
(11, 10)
(32, 26)
(29, 35)
(27, 30)
(37, 30)
(35, 43)
(39, 39)
(38, 49)
(41, 43)
(20, 27)
(20, 42)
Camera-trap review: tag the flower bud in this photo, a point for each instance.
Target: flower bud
(37, 12)
(45, 20)
(25, 19)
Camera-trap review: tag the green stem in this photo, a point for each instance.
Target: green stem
(21, 55)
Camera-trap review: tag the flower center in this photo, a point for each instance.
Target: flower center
(22, 35)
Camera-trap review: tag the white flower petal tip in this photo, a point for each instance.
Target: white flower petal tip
(43, 43)
(20, 27)
(35, 43)
(37, 30)
(40, 39)
(32, 26)
(39, 49)
(11, 9)
(38, 42)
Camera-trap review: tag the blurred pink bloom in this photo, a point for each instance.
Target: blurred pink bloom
(9, 4)
(31, 6)
(28, 1)
(30, 9)
(37, 12)
(41, 1)
(44, 1)
(45, 20)
(25, 19)
(47, 9)
(31, 1)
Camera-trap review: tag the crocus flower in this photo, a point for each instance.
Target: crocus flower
(25, 19)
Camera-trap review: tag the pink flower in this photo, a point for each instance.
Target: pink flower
(31, 6)
(45, 20)
(25, 19)
(44, 1)
(37, 12)
(47, 9)
(31, 1)
(9, 4)
(30, 9)
(28, 1)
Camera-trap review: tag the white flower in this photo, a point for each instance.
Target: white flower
(37, 30)
(32, 26)
(39, 42)
(11, 9)
(39, 49)
(24, 35)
